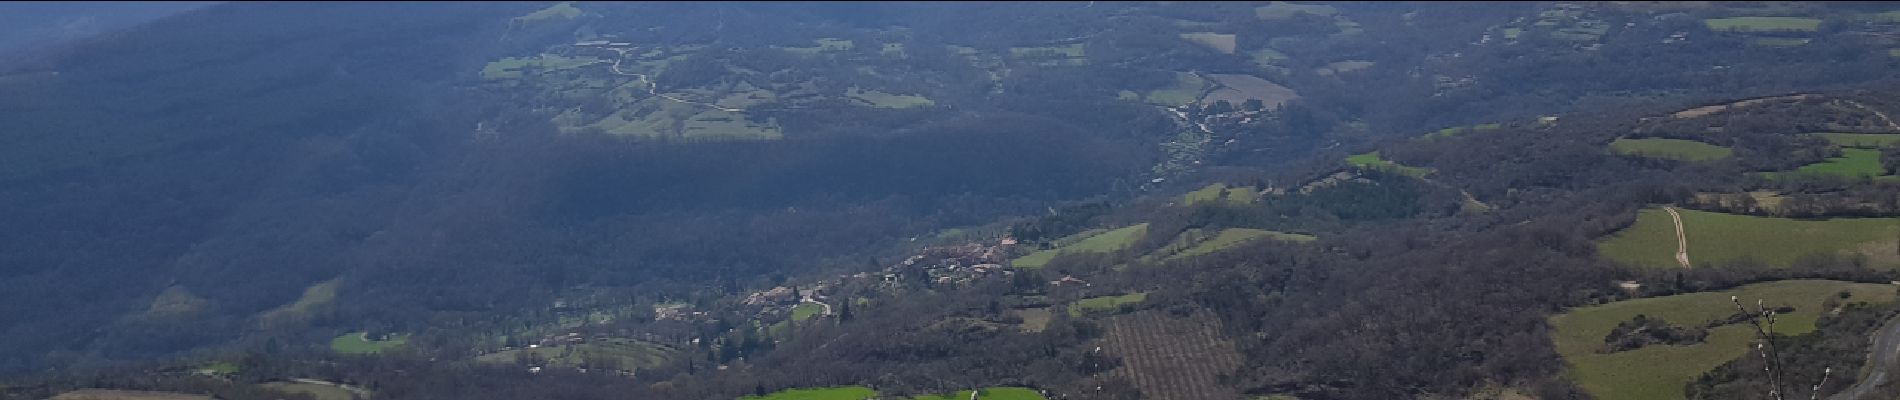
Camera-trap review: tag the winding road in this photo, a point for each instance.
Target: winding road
(1881, 359)
(1877, 113)
(653, 89)
(1682, 240)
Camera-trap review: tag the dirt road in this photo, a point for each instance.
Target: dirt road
(1682, 240)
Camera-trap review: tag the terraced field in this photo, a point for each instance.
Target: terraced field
(1658, 372)
(1171, 358)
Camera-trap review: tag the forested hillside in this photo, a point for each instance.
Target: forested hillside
(1101, 200)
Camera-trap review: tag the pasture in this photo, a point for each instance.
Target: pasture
(360, 343)
(1221, 42)
(1763, 24)
(1776, 242)
(1282, 10)
(1267, 57)
(1852, 163)
(830, 393)
(1674, 149)
(1237, 89)
(879, 99)
(1187, 89)
(804, 311)
(1105, 303)
(1219, 192)
(1659, 371)
(1194, 242)
(1104, 242)
(1372, 160)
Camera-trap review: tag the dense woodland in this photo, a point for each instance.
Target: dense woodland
(246, 152)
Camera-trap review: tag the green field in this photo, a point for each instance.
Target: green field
(1852, 162)
(804, 311)
(356, 343)
(830, 393)
(886, 100)
(1105, 303)
(220, 367)
(989, 393)
(1266, 57)
(1718, 237)
(1194, 242)
(1069, 51)
(1187, 88)
(1372, 160)
(319, 391)
(1099, 243)
(1659, 371)
(1675, 149)
(1861, 140)
(1221, 42)
(1763, 24)
(1231, 237)
(1284, 10)
(564, 10)
(1219, 191)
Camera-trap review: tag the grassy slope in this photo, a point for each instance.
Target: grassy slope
(1101, 243)
(1717, 237)
(1658, 372)
(1187, 88)
(1756, 24)
(1231, 237)
(1678, 149)
(1374, 161)
(354, 343)
(1852, 162)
